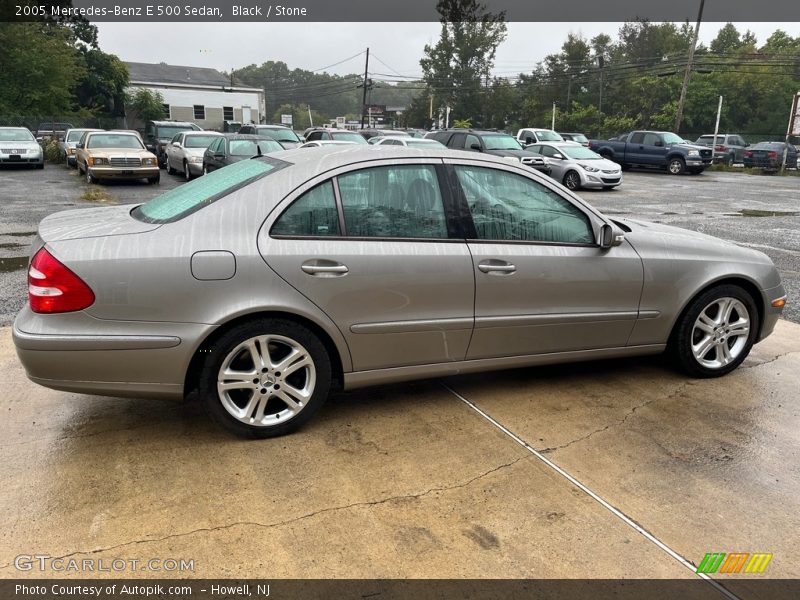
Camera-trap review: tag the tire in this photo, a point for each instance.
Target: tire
(90, 179)
(625, 167)
(170, 170)
(187, 175)
(676, 166)
(237, 409)
(704, 332)
(572, 181)
(205, 169)
(154, 180)
(729, 160)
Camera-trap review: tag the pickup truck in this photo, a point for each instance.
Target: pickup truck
(655, 149)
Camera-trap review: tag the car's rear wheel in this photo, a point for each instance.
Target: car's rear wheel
(716, 332)
(265, 378)
(572, 180)
(676, 165)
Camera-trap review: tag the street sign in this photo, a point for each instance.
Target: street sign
(286, 119)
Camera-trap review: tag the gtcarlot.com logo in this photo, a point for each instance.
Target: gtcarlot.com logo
(44, 562)
(735, 562)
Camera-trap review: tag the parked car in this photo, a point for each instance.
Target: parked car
(232, 147)
(185, 152)
(769, 156)
(133, 131)
(326, 143)
(532, 135)
(157, 134)
(728, 149)
(575, 137)
(265, 285)
(331, 133)
(369, 134)
(285, 136)
(52, 130)
(489, 142)
(578, 167)
(655, 149)
(407, 141)
(18, 146)
(115, 155)
(71, 139)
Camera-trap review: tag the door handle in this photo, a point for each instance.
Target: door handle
(496, 266)
(324, 268)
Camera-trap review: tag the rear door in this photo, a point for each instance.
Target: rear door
(542, 284)
(375, 250)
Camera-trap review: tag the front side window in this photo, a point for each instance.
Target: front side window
(472, 140)
(651, 139)
(508, 207)
(402, 201)
(195, 195)
(312, 214)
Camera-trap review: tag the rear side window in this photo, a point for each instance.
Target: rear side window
(190, 197)
(312, 214)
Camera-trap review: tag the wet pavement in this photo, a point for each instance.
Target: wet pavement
(630, 470)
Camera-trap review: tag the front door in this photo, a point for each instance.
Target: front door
(247, 114)
(542, 284)
(373, 250)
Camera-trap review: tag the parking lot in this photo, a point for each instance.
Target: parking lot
(615, 469)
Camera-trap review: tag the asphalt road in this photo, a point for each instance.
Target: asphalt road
(761, 212)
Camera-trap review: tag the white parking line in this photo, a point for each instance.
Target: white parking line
(605, 504)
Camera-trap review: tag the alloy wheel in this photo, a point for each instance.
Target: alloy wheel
(720, 332)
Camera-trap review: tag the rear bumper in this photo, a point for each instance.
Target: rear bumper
(77, 353)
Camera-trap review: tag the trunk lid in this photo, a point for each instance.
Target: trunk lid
(91, 222)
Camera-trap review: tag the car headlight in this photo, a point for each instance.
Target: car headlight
(35, 150)
(589, 168)
(693, 153)
(148, 161)
(70, 151)
(195, 159)
(95, 161)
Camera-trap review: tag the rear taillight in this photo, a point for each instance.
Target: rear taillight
(749, 154)
(720, 148)
(772, 154)
(53, 288)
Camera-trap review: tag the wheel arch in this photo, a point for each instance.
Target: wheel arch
(738, 280)
(194, 369)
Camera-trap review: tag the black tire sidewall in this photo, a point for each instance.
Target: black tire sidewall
(229, 340)
(681, 343)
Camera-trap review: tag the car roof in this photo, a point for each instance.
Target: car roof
(10, 127)
(202, 132)
(245, 136)
(131, 133)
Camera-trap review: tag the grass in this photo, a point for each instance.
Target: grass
(97, 195)
(749, 171)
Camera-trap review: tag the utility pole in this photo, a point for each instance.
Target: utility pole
(688, 73)
(364, 97)
(601, 62)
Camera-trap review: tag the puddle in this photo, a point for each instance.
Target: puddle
(750, 212)
(12, 245)
(669, 213)
(7, 265)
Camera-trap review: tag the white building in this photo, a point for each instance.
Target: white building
(200, 95)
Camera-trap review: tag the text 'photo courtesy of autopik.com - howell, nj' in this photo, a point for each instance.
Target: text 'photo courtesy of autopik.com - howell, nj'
(447, 299)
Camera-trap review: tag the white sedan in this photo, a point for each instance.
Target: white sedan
(185, 152)
(411, 142)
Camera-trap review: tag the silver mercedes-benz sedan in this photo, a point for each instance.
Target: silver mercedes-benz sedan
(267, 284)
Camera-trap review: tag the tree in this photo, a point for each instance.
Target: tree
(454, 67)
(102, 88)
(148, 105)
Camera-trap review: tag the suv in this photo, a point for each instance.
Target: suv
(729, 148)
(285, 136)
(52, 130)
(489, 142)
(532, 135)
(157, 134)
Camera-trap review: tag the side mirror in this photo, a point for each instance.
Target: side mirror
(475, 147)
(219, 155)
(176, 143)
(557, 155)
(528, 140)
(609, 237)
(79, 145)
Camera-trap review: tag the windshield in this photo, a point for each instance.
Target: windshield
(347, 136)
(280, 134)
(671, 138)
(416, 143)
(248, 147)
(16, 135)
(199, 141)
(197, 194)
(501, 142)
(74, 135)
(580, 138)
(548, 136)
(112, 140)
(579, 152)
(164, 131)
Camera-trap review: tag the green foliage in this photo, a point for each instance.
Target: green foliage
(102, 88)
(462, 124)
(52, 153)
(148, 105)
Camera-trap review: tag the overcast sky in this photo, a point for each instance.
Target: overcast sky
(313, 45)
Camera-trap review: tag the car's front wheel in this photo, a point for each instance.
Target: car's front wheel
(676, 165)
(187, 174)
(89, 177)
(716, 332)
(265, 378)
(572, 180)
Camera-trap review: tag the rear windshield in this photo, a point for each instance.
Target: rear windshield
(545, 135)
(347, 136)
(281, 134)
(190, 197)
(768, 146)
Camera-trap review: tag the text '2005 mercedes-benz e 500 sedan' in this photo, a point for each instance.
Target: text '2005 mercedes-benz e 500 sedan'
(267, 284)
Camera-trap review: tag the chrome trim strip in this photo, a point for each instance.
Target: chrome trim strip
(36, 341)
(553, 319)
(413, 326)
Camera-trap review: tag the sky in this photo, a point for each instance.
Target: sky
(313, 46)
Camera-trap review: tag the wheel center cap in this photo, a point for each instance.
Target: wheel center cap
(267, 380)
